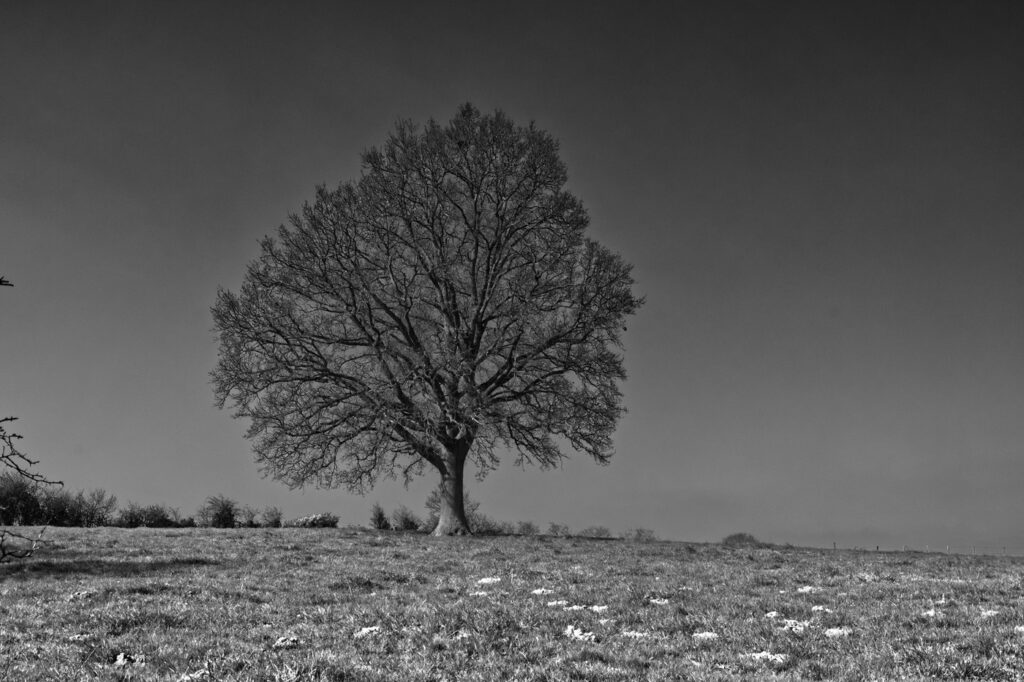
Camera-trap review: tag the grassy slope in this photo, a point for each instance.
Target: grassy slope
(208, 604)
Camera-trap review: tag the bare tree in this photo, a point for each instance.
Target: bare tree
(444, 305)
(13, 458)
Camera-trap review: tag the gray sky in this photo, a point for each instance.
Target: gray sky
(823, 203)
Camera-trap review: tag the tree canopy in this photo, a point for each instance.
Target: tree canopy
(445, 306)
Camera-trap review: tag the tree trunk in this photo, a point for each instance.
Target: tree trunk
(452, 514)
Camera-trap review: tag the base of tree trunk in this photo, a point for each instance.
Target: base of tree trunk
(447, 530)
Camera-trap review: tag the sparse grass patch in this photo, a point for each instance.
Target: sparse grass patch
(351, 604)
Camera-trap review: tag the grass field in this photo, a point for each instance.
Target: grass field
(349, 604)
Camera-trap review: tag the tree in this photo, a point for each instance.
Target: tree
(445, 304)
(21, 469)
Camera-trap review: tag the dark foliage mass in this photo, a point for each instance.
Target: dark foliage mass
(379, 518)
(221, 512)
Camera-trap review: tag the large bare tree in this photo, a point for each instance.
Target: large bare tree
(444, 307)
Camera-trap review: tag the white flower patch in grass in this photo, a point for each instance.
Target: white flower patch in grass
(558, 602)
(705, 636)
(193, 676)
(598, 608)
(574, 607)
(808, 589)
(488, 581)
(989, 613)
(772, 614)
(126, 660)
(478, 593)
(821, 609)
(366, 632)
(659, 602)
(542, 590)
(287, 642)
(80, 637)
(80, 594)
(1019, 629)
(795, 626)
(767, 657)
(932, 613)
(635, 634)
(834, 633)
(605, 621)
(573, 632)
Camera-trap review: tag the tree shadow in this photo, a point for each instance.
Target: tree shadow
(118, 568)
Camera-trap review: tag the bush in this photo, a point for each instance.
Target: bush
(272, 517)
(247, 517)
(97, 508)
(19, 501)
(640, 535)
(59, 507)
(742, 540)
(221, 511)
(596, 532)
(527, 528)
(158, 516)
(314, 521)
(558, 529)
(379, 518)
(403, 519)
(130, 517)
(485, 525)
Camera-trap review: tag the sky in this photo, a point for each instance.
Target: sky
(823, 204)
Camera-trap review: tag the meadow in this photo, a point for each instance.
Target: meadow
(354, 604)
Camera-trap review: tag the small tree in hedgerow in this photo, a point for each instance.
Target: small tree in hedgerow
(444, 305)
(17, 478)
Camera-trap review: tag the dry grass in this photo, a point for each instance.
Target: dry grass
(307, 604)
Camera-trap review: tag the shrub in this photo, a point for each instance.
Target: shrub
(596, 532)
(247, 517)
(19, 501)
(742, 540)
(158, 516)
(221, 511)
(640, 535)
(485, 525)
(379, 518)
(131, 516)
(314, 521)
(403, 519)
(272, 517)
(558, 529)
(527, 528)
(97, 508)
(59, 507)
